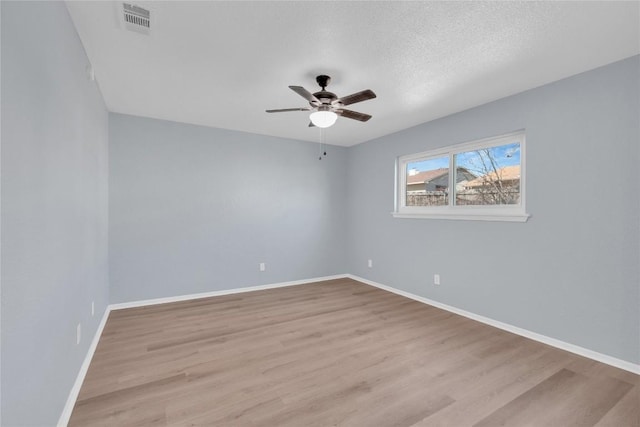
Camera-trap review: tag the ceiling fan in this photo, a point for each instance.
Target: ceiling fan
(325, 106)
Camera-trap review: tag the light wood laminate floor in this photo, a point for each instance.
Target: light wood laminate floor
(337, 353)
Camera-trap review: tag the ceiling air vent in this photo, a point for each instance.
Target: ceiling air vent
(136, 18)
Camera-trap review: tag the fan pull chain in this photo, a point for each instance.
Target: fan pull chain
(323, 151)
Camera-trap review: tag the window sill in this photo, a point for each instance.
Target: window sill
(480, 216)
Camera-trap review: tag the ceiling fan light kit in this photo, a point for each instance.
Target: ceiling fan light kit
(323, 118)
(325, 106)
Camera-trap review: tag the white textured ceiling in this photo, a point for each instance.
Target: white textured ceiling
(221, 64)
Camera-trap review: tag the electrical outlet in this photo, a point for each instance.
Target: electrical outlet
(370, 263)
(436, 279)
(78, 333)
(93, 308)
(263, 266)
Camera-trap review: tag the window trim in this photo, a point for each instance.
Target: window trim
(514, 213)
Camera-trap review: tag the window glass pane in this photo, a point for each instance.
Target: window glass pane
(488, 176)
(428, 182)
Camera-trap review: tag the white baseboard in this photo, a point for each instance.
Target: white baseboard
(187, 297)
(75, 390)
(609, 360)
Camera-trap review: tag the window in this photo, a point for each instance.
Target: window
(479, 180)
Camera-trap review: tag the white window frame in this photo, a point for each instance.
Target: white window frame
(514, 213)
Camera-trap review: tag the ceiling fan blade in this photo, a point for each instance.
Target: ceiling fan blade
(356, 97)
(305, 94)
(353, 115)
(282, 110)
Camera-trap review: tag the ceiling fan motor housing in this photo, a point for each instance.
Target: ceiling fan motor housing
(325, 97)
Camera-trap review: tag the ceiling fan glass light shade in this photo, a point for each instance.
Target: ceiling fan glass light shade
(323, 119)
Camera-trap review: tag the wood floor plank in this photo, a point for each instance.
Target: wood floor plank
(625, 412)
(338, 353)
(483, 390)
(573, 398)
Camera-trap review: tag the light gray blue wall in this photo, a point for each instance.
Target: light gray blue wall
(195, 209)
(571, 272)
(54, 210)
